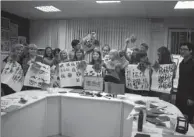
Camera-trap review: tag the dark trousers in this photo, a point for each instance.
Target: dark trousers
(181, 103)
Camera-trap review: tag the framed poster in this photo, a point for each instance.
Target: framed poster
(13, 41)
(5, 23)
(5, 34)
(93, 83)
(13, 30)
(5, 46)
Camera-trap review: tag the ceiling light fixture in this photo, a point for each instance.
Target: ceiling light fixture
(105, 2)
(48, 8)
(184, 5)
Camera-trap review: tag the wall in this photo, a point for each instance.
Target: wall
(160, 36)
(23, 24)
(112, 31)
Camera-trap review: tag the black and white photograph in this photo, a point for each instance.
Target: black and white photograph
(92, 68)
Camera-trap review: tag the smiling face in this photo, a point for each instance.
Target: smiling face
(32, 50)
(105, 50)
(48, 52)
(71, 55)
(95, 56)
(63, 55)
(79, 54)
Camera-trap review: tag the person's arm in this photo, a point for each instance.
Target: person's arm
(125, 49)
(48, 62)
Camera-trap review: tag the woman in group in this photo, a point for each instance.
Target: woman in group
(14, 56)
(164, 57)
(71, 56)
(56, 59)
(79, 55)
(112, 67)
(31, 57)
(97, 62)
(105, 52)
(63, 56)
(48, 56)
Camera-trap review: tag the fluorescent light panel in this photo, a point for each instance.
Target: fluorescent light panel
(103, 2)
(184, 5)
(48, 8)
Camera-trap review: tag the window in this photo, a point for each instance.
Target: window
(178, 36)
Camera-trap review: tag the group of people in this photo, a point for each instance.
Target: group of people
(98, 56)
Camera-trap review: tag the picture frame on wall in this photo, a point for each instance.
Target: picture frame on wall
(5, 35)
(13, 40)
(5, 23)
(5, 47)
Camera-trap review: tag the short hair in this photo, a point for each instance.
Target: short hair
(96, 43)
(55, 51)
(106, 45)
(145, 45)
(74, 43)
(188, 44)
(115, 53)
(140, 55)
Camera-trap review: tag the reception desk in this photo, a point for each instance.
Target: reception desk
(70, 115)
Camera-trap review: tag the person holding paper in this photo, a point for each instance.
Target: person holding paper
(97, 62)
(185, 93)
(113, 67)
(56, 56)
(14, 56)
(55, 69)
(31, 57)
(48, 56)
(164, 57)
(144, 47)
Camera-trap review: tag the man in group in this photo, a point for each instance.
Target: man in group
(185, 93)
(75, 44)
(144, 47)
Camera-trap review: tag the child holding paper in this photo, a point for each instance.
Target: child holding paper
(97, 62)
(55, 69)
(48, 56)
(164, 57)
(31, 57)
(14, 56)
